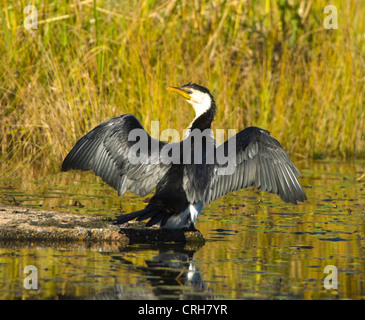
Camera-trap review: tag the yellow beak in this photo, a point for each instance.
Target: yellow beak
(180, 91)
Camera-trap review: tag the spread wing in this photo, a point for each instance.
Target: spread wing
(111, 151)
(261, 162)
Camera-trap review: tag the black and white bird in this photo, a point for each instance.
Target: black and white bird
(183, 186)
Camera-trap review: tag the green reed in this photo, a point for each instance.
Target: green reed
(268, 63)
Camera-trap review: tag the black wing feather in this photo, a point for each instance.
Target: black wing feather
(105, 151)
(261, 162)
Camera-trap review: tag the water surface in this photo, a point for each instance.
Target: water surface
(257, 246)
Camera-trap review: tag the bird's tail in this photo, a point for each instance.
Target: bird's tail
(156, 215)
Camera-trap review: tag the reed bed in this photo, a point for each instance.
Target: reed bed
(268, 63)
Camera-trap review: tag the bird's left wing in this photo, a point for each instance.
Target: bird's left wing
(107, 150)
(261, 162)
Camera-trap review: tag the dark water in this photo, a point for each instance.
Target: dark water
(257, 246)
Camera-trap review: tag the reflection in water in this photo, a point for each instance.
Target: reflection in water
(257, 247)
(175, 274)
(88, 273)
(172, 274)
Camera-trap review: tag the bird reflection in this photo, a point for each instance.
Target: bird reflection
(172, 274)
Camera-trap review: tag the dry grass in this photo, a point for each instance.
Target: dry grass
(268, 63)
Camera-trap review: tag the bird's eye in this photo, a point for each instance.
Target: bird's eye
(190, 92)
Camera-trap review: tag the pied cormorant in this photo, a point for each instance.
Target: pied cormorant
(183, 187)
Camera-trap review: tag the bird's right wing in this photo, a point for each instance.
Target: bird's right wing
(110, 151)
(261, 162)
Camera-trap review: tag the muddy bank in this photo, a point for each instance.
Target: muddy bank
(28, 224)
(19, 223)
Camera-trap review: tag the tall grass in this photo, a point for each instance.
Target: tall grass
(268, 63)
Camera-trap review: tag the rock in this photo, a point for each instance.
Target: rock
(51, 226)
(17, 223)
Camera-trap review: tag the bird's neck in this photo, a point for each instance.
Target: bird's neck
(204, 120)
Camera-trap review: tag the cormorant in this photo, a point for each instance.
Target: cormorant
(187, 175)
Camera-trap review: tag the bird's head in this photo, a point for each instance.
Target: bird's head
(198, 96)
